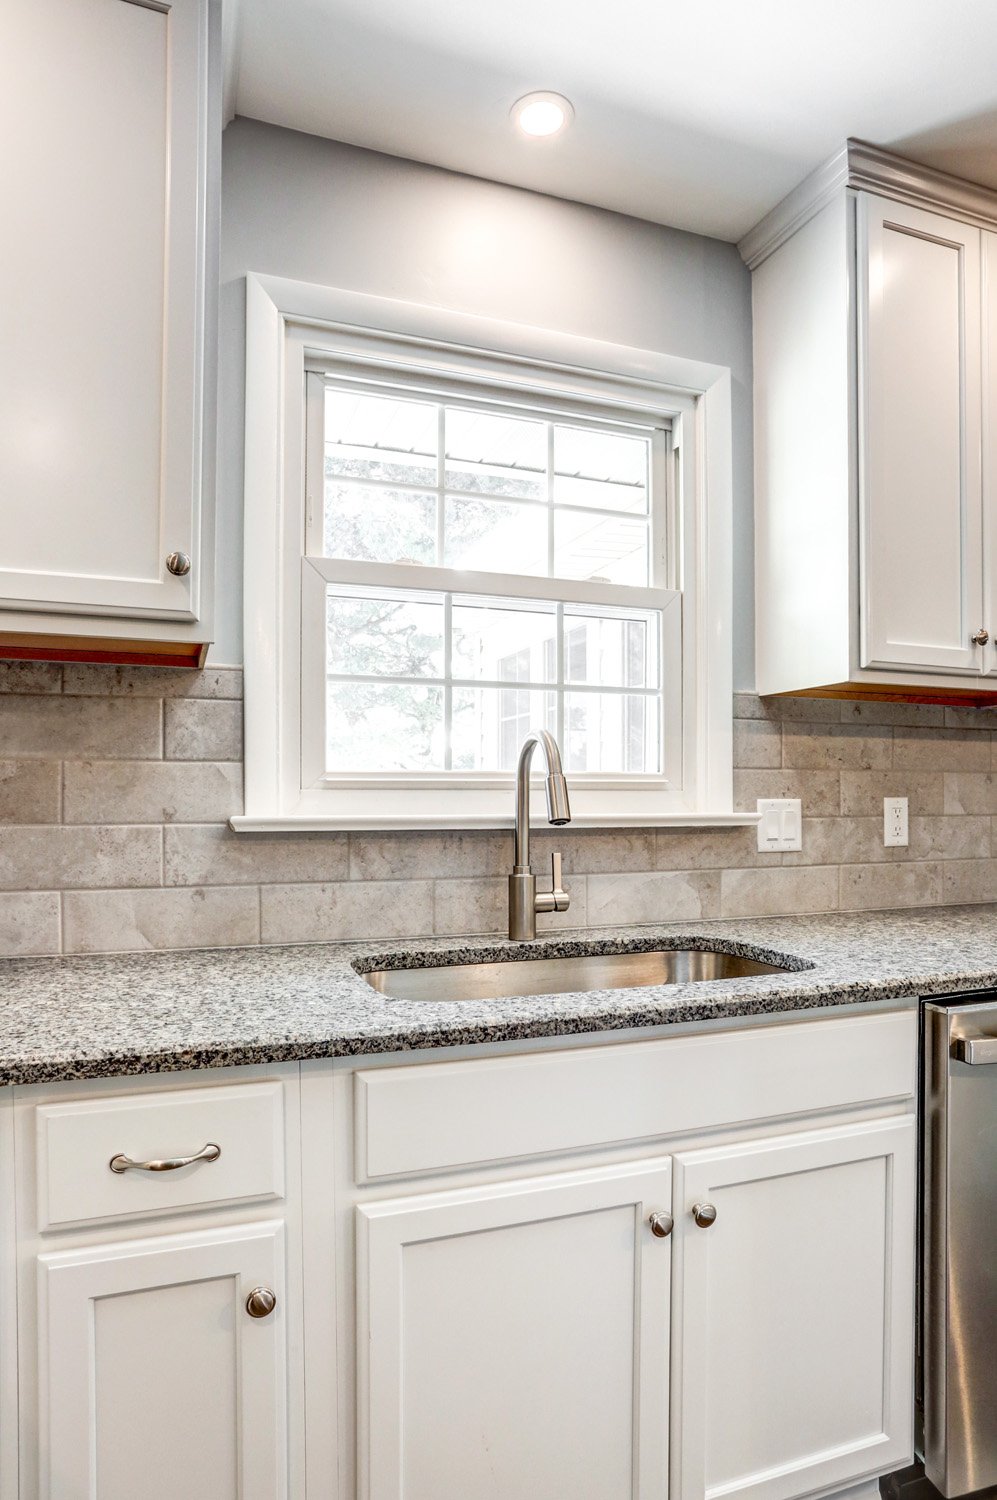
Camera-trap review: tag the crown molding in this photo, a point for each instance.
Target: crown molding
(806, 200)
(868, 168)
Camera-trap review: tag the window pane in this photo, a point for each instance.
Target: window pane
(600, 468)
(490, 724)
(494, 537)
(371, 524)
(619, 651)
(373, 726)
(614, 550)
(496, 455)
(388, 635)
(611, 732)
(380, 437)
(503, 644)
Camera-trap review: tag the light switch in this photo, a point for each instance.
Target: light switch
(780, 827)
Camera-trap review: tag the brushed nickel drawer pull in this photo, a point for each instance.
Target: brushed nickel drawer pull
(661, 1225)
(120, 1164)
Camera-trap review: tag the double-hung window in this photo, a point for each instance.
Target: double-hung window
(480, 551)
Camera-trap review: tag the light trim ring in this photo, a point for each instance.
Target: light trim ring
(542, 115)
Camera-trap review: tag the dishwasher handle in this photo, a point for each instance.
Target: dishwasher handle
(975, 1049)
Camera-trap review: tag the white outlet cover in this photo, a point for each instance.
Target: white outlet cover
(895, 832)
(780, 825)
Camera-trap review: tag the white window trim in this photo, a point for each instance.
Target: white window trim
(287, 318)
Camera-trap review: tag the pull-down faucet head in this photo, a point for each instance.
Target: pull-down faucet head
(558, 806)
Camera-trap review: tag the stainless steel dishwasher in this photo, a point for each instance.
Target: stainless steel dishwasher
(959, 1242)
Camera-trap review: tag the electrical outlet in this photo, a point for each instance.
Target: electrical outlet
(780, 826)
(895, 822)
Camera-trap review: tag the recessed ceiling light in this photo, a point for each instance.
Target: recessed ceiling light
(542, 114)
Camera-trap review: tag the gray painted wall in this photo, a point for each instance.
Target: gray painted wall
(315, 210)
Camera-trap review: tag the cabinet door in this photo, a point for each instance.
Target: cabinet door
(989, 278)
(919, 438)
(793, 1363)
(513, 1341)
(105, 111)
(154, 1381)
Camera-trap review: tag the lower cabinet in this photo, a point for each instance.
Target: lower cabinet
(715, 1302)
(154, 1379)
(793, 1312)
(513, 1340)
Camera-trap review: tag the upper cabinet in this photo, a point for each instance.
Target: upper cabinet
(875, 308)
(112, 116)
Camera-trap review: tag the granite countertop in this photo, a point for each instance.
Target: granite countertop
(63, 1018)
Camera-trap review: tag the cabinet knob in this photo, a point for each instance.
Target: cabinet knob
(704, 1214)
(981, 637)
(261, 1302)
(178, 563)
(661, 1225)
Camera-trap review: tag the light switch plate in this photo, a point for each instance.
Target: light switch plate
(780, 825)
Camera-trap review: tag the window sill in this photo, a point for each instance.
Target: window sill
(310, 823)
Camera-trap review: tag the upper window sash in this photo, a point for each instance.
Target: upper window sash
(664, 561)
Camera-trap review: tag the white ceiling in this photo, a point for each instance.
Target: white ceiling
(701, 115)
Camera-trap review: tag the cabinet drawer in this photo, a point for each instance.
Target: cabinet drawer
(436, 1116)
(76, 1143)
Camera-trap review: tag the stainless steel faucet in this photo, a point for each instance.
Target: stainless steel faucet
(524, 903)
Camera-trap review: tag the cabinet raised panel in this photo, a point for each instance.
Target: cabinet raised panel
(795, 1311)
(919, 437)
(154, 1380)
(513, 1341)
(109, 111)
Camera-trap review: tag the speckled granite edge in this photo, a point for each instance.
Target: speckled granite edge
(571, 946)
(79, 1018)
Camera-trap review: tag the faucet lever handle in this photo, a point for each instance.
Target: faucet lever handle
(561, 898)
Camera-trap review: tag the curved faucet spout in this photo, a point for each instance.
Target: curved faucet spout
(524, 902)
(558, 807)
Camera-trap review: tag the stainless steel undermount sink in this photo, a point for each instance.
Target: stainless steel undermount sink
(554, 976)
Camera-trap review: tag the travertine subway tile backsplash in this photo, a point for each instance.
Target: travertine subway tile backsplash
(116, 785)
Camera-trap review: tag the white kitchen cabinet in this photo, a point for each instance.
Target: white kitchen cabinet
(154, 1378)
(111, 110)
(875, 547)
(498, 1322)
(513, 1340)
(794, 1312)
(473, 1301)
(140, 1369)
(989, 443)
